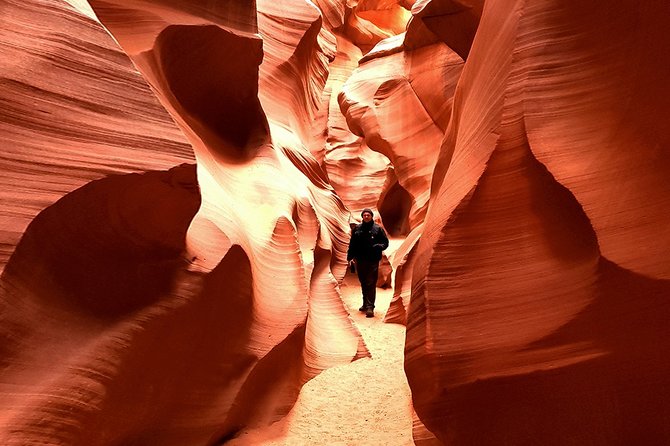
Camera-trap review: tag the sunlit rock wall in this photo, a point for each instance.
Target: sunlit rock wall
(541, 284)
(179, 178)
(402, 264)
(145, 307)
(367, 22)
(400, 102)
(359, 175)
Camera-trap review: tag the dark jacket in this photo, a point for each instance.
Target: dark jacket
(368, 240)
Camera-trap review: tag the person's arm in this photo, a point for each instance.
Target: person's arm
(351, 252)
(382, 240)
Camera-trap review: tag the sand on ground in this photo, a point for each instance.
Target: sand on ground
(364, 403)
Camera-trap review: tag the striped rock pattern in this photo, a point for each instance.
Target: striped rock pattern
(179, 178)
(402, 264)
(367, 22)
(400, 102)
(176, 275)
(360, 176)
(541, 283)
(57, 137)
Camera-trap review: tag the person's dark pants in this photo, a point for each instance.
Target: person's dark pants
(367, 275)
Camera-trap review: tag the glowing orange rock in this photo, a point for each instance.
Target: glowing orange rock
(402, 263)
(541, 280)
(370, 21)
(148, 307)
(359, 175)
(400, 102)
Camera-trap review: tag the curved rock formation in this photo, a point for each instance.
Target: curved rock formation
(234, 173)
(297, 48)
(392, 100)
(367, 22)
(402, 264)
(541, 281)
(179, 179)
(57, 138)
(147, 307)
(453, 22)
(358, 175)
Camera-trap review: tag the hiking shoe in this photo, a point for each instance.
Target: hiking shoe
(369, 312)
(362, 309)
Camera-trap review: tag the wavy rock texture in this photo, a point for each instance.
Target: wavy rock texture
(57, 138)
(400, 102)
(297, 47)
(402, 265)
(367, 22)
(177, 197)
(145, 308)
(453, 22)
(540, 290)
(359, 175)
(422, 436)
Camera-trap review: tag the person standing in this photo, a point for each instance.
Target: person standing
(368, 240)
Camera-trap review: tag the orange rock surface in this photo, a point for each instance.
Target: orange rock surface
(453, 22)
(359, 175)
(147, 307)
(392, 101)
(402, 264)
(540, 289)
(179, 180)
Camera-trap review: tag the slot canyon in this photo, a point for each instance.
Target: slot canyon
(180, 180)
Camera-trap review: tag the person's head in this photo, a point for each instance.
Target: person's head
(366, 215)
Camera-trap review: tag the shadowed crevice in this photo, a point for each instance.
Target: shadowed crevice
(111, 246)
(618, 398)
(394, 210)
(213, 74)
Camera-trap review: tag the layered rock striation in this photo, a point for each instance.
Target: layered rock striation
(191, 294)
(541, 282)
(179, 179)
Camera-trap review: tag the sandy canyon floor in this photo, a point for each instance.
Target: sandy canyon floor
(363, 403)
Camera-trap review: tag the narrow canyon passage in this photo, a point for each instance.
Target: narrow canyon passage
(366, 402)
(180, 181)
